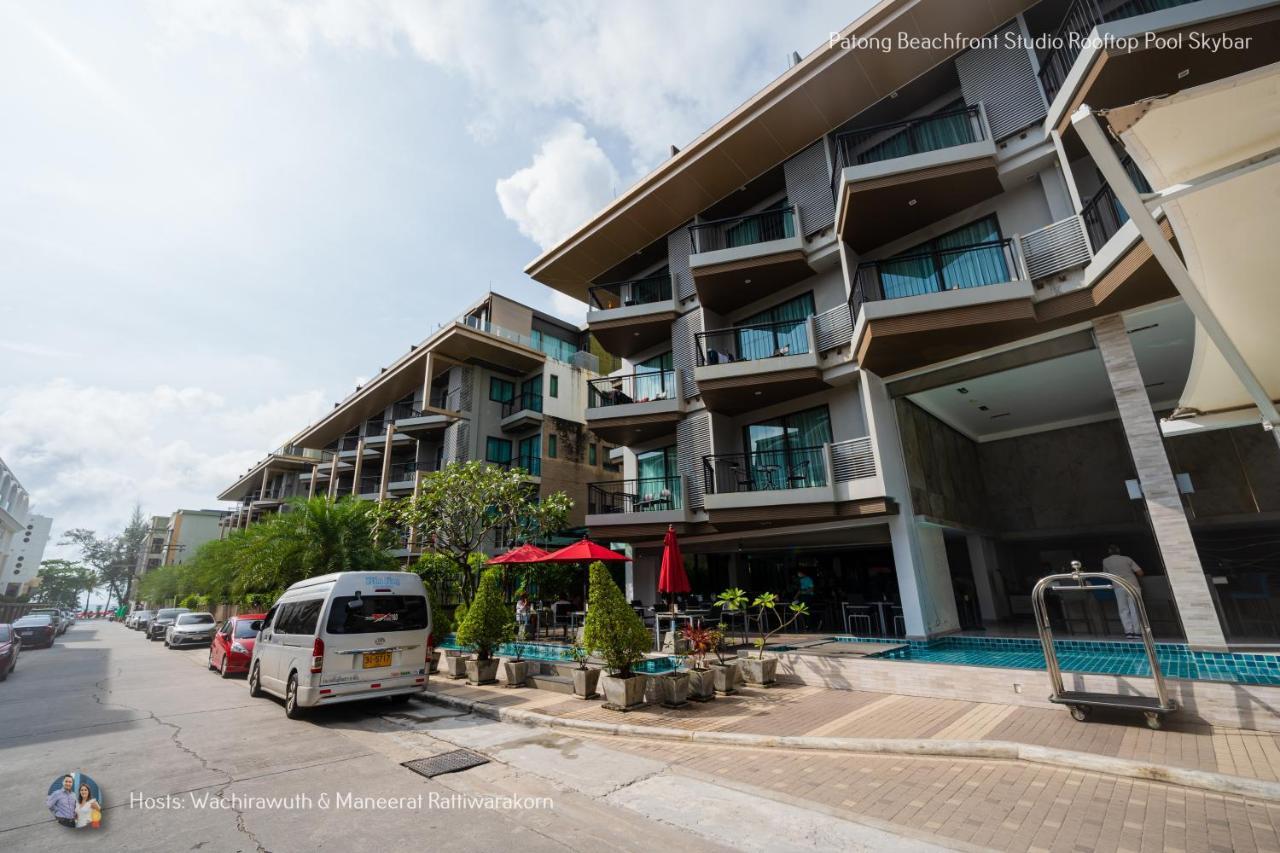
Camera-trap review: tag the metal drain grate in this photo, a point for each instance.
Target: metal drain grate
(446, 762)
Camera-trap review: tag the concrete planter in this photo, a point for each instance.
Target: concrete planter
(435, 661)
(702, 685)
(725, 677)
(455, 666)
(674, 689)
(516, 672)
(623, 694)
(482, 671)
(585, 681)
(759, 672)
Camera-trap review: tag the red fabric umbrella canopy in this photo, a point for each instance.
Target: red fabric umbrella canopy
(519, 555)
(584, 551)
(672, 577)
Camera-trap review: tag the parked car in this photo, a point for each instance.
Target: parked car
(59, 621)
(342, 637)
(161, 621)
(232, 646)
(36, 630)
(190, 629)
(137, 620)
(10, 645)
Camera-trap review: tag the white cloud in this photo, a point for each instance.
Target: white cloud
(88, 453)
(566, 307)
(570, 179)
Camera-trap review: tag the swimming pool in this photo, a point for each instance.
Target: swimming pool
(559, 654)
(1177, 660)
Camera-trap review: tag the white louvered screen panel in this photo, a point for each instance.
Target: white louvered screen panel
(683, 352)
(853, 459)
(678, 250)
(1055, 248)
(834, 328)
(693, 442)
(1003, 79)
(809, 188)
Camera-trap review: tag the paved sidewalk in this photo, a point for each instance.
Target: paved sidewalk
(991, 804)
(789, 709)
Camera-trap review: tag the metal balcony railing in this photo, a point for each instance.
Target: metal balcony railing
(938, 270)
(910, 136)
(531, 465)
(765, 470)
(647, 494)
(401, 472)
(643, 387)
(348, 442)
(624, 294)
(530, 401)
(746, 230)
(1103, 214)
(753, 342)
(375, 429)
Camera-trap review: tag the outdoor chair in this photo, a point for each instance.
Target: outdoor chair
(857, 616)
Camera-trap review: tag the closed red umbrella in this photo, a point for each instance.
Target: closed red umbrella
(672, 578)
(519, 555)
(584, 551)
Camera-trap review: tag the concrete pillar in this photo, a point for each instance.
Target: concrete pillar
(427, 370)
(356, 466)
(333, 472)
(1159, 490)
(386, 462)
(642, 577)
(311, 487)
(919, 553)
(982, 557)
(413, 531)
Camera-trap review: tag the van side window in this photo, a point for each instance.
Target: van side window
(305, 617)
(271, 614)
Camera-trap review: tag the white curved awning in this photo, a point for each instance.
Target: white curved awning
(1228, 228)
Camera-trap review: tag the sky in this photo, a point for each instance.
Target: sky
(219, 216)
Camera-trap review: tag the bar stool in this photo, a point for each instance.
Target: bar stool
(899, 623)
(856, 614)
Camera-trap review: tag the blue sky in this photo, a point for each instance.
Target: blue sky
(217, 216)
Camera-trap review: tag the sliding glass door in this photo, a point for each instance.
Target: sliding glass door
(657, 480)
(654, 378)
(780, 330)
(787, 452)
(970, 256)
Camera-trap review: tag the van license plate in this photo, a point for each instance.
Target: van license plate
(376, 659)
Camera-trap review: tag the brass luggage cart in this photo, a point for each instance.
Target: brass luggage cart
(1081, 702)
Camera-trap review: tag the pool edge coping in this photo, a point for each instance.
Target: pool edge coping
(1203, 780)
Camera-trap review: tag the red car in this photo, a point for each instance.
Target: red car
(232, 645)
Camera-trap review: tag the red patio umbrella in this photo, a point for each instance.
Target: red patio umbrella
(672, 578)
(519, 556)
(584, 551)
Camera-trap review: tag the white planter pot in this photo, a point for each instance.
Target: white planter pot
(674, 687)
(455, 666)
(759, 672)
(516, 672)
(585, 681)
(702, 685)
(725, 677)
(623, 694)
(482, 671)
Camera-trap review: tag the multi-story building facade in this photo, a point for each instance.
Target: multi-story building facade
(886, 328)
(186, 530)
(23, 535)
(503, 383)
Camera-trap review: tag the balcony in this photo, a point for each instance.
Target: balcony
(400, 478)
(445, 407)
(737, 260)
(893, 179)
(1103, 214)
(837, 479)
(630, 316)
(648, 503)
(635, 407)
(750, 366)
(522, 411)
(530, 465)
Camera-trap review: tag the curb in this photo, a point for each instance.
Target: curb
(999, 749)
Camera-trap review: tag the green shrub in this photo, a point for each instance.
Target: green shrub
(613, 629)
(489, 622)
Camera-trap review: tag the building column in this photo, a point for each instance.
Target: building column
(1159, 489)
(427, 369)
(413, 531)
(356, 466)
(991, 598)
(386, 462)
(919, 552)
(311, 487)
(262, 489)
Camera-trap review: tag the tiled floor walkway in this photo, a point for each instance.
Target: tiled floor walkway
(988, 804)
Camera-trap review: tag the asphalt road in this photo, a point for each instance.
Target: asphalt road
(154, 726)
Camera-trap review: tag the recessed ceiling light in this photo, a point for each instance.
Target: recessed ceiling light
(746, 281)
(911, 203)
(636, 334)
(893, 95)
(758, 393)
(1186, 72)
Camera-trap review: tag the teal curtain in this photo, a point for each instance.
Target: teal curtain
(927, 134)
(531, 394)
(940, 265)
(787, 452)
(651, 288)
(654, 378)
(658, 486)
(785, 332)
(775, 222)
(497, 450)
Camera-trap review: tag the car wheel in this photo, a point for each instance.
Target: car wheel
(222, 670)
(255, 682)
(291, 709)
(166, 644)
(211, 665)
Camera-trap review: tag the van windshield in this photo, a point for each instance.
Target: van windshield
(378, 613)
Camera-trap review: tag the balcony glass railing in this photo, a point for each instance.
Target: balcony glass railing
(749, 229)
(624, 294)
(348, 442)
(1067, 39)
(765, 470)
(753, 342)
(935, 271)
(1103, 214)
(524, 401)
(641, 387)
(649, 494)
(911, 136)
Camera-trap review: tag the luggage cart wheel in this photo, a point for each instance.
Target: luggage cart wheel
(1153, 720)
(1080, 712)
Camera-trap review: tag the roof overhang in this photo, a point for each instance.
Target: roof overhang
(827, 88)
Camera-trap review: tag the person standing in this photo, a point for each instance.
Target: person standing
(522, 615)
(86, 808)
(1125, 568)
(62, 802)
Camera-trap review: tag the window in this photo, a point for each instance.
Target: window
(969, 256)
(377, 613)
(531, 394)
(780, 330)
(591, 454)
(244, 629)
(530, 448)
(299, 617)
(551, 447)
(655, 378)
(554, 387)
(786, 452)
(497, 450)
(500, 390)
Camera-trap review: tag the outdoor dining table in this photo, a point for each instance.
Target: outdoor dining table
(673, 619)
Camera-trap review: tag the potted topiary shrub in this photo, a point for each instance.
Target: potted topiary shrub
(489, 624)
(516, 669)
(761, 671)
(702, 641)
(616, 633)
(585, 677)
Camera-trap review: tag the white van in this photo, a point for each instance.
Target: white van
(342, 637)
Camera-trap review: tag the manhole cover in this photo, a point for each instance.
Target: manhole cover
(446, 762)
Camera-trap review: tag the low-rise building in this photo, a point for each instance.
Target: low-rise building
(23, 536)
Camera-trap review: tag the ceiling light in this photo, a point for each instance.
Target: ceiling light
(758, 393)
(746, 281)
(911, 203)
(1186, 72)
(893, 95)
